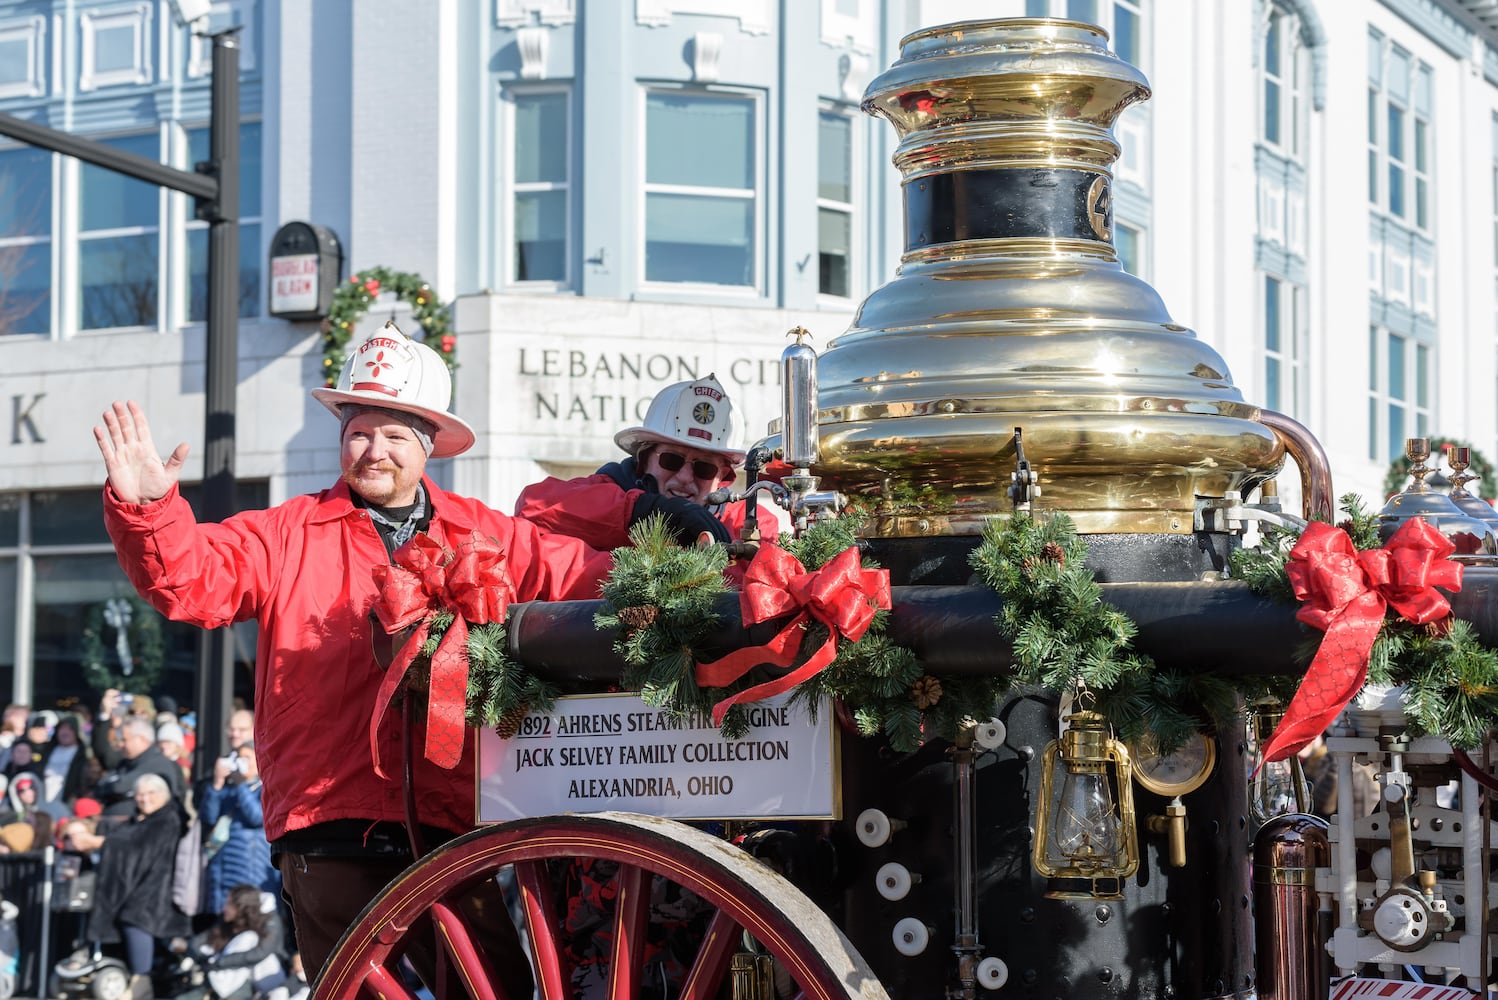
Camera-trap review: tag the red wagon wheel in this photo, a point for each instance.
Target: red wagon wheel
(744, 894)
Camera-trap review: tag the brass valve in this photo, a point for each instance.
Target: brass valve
(1173, 825)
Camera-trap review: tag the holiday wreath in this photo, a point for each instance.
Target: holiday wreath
(355, 296)
(122, 646)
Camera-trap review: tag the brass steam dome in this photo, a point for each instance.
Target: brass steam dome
(1010, 308)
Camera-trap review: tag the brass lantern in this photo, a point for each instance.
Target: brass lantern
(1085, 840)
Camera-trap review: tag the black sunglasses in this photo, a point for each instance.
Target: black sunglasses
(672, 461)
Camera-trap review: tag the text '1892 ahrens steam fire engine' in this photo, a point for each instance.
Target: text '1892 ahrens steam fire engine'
(1010, 373)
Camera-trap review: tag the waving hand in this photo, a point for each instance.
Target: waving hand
(136, 470)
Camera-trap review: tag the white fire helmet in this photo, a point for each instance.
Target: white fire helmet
(696, 414)
(389, 370)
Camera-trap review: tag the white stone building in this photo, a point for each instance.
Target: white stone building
(623, 193)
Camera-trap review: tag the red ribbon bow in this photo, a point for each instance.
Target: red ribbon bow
(842, 595)
(1346, 593)
(475, 586)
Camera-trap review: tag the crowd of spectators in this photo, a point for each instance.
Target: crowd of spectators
(169, 857)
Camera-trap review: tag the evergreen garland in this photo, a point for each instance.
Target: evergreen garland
(662, 599)
(101, 667)
(1450, 678)
(1067, 639)
(353, 299)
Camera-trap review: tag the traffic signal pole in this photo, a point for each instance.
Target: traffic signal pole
(215, 187)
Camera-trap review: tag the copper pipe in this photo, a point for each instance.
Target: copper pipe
(1289, 958)
(1316, 497)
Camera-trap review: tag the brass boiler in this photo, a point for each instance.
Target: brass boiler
(1010, 308)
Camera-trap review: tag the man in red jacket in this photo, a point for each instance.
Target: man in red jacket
(303, 571)
(685, 449)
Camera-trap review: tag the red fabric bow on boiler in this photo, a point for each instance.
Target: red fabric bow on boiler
(474, 585)
(1346, 593)
(841, 595)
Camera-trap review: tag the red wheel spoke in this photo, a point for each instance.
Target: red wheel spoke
(383, 984)
(443, 900)
(713, 959)
(466, 958)
(631, 917)
(534, 883)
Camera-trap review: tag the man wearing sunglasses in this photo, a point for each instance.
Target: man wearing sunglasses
(685, 449)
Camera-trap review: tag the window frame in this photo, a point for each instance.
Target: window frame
(48, 237)
(1416, 404)
(1415, 142)
(182, 301)
(1290, 83)
(846, 113)
(1292, 317)
(756, 196)
(508, 257)
(76, 240)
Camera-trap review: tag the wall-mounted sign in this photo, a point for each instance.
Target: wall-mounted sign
(596, 752)
(306, 262)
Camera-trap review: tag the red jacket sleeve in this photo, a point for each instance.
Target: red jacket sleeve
(594, 509)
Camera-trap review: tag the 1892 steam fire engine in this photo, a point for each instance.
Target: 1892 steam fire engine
(1011, 373)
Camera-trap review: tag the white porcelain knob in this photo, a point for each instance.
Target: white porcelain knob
(874, 828)
(990, 735)
(893, 881)
(992, 973)
(911, 937)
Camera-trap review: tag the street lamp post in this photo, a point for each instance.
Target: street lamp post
(215, 186)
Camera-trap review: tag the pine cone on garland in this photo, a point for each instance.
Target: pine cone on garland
(1053, 552)
(509, 723)
(925, 692)
(637, 619)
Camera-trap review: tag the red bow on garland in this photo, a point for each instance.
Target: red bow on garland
(842, 595)
(474, 585)
(1346, 593)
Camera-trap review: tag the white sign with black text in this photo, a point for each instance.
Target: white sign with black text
(612, 751)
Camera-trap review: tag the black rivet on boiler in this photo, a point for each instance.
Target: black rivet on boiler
(1103, 914)
(1217, 986)
(1165, 909)
(1243, 902)
(1105, 975)
(1027, 915)
(1216, 906)
(1027, 752)
(1216, 828)
(1029, 976)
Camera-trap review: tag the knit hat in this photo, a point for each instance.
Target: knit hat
(86, 807)
(169, 732)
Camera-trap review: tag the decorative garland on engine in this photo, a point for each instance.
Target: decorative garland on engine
(353, 299)
(1066, 638)
(1450, 678)
(662, 597)
(134, 631)
(1486, 484)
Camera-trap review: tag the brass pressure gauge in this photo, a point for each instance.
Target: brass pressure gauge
(1183, 770)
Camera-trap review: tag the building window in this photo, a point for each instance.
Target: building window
(57, 567)
(835, 204)
(25, 241)
(1282, 76)
(1400, 102)
(249, 227)
(118, 242)
(1284, 346)
(701, 188)
(1129, 242)
(1494, 140)
(1120, 18)
(1399, 370)
(539, 217)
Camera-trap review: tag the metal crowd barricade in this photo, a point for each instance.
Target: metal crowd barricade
(26, 881)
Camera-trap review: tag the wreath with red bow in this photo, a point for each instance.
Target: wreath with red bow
(1386, 621)
(354, 298)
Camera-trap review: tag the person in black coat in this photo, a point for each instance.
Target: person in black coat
(63, 766)
(141, 756)
(133, 901)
